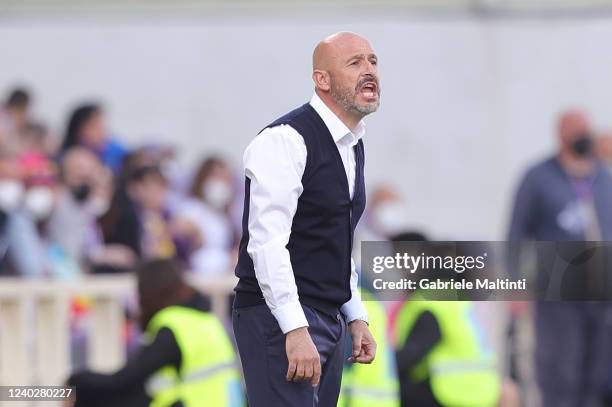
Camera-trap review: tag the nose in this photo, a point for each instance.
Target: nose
(370, 69)
(369, 76)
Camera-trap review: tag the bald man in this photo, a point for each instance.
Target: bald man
(568, 197)
(297, 296)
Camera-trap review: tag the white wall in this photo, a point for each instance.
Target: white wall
(466, 104)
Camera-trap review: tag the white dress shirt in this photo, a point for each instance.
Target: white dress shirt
(274, 162)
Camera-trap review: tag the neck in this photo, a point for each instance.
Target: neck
(574, 166)
(350, 119)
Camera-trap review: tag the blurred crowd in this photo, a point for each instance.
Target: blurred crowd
(82, 201)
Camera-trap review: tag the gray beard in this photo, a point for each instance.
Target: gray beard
(346, 98)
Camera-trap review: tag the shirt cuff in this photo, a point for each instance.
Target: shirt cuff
(354, 309)
(290, 316)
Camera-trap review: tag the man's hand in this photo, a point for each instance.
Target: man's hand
(304, 361)
(364, 345)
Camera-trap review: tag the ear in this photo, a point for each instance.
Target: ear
(321, 80)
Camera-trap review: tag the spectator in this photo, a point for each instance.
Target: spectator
(140, 220)
(147, 189)
(120, 224)
(208, 207)
(87, 127)
(568, 197)
(85, 195)
(30, 248)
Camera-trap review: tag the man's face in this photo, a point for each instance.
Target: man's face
(354, 82)
(573, 126)
(80, 167)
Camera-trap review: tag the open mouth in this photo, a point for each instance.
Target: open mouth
(369, 90)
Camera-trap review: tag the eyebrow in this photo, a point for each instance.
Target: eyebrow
(362, 56)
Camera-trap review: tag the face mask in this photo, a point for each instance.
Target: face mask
(39, 202)
(81, 192)
(98, 206)
(172, 170)
(217, 193)
(583, 145)
(390, 218)
(11, 192)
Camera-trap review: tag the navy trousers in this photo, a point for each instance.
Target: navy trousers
(572, 353)
(261, 345)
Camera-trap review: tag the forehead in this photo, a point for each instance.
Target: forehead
(351, 46)
(79, 159)
(574, 120)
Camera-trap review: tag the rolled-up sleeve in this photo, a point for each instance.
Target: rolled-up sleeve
(274, 162)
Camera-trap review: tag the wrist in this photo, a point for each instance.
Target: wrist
(362, 318)
(359, 320)
(298, 331)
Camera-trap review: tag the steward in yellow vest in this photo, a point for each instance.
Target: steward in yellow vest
(187, 361)
(442, 357)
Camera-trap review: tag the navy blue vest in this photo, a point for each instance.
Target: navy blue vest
(321, 238)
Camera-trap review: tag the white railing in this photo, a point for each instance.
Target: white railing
(35, 324)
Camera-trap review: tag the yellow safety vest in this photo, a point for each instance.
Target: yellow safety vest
(208, 375)
(462, 372)
(375, 384)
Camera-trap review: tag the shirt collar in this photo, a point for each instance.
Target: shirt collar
(335, 126)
